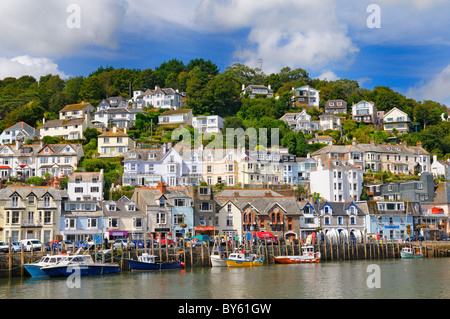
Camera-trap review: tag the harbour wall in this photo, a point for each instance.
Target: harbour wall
(11, 265)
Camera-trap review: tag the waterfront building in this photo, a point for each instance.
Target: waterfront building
(309, 219)
(142, 167)
(336, 180)
(436, 212)
(304, 167)
(168, 209)
(124, 219)
(29, 212)
(205, 217)
(415, 191)
(221, 166)
(261, 210)
(19, 132)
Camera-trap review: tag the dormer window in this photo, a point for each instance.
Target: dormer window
(112, 207)
(162, 202)
(326, 210)
(132, 207)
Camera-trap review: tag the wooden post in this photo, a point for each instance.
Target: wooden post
(22, 259)
(201, 249)
(192, 258)
(9, 257)
(121, 255)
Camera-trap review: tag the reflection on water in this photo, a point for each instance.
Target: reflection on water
(425, 278)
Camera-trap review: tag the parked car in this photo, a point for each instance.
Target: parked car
(415, 238)
(138, 243)
(68, 245)
(443, 238)
(81, 243)
(118, 243)
(4, 247)
(16, 247)
(31, 244)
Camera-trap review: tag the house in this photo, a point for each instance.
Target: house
(397, 120)
(440, 168)
(414, 191)
(179, 117)
(167, 209)
(124, 219)
(28, 212)
(119, 116)
(261, 210)
(336, 107)
(208, 124)
(18, 132)
(300, 121)
(329, 122)
(436, 212)
(365, 112)
(341, 222)
(85, 186)
(114, 143)
(336, 180)
(112, 102)
(254, 90)
(321, 139)
(166, 98)
(143, 167)
(205, 215)
(73, 120)
(221, 166)
(229, 221)
(261, 168)
(306, 96)
(392, 220)
(304, 167)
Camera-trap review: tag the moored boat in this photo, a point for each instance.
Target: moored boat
(308, 256)
(148, 262)
(34, 269)
(411, 252)
(82, 263)
(244, 259)
(218, 257)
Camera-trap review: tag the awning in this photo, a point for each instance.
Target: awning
(5, 167)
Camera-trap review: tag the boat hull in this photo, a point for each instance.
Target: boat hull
(410, 256)
(295, 260)
(84, 270)
(34, 270)
(144, 266)
(241, 263)
(218, 262)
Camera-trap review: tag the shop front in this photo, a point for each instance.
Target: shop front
(204, 230)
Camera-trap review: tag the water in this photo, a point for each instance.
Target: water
(399, 279)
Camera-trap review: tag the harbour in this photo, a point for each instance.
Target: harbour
(425, 278)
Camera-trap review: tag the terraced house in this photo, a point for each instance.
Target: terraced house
(30, 212)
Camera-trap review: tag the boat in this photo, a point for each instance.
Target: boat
(217, 257)
(244, 259)
(34, 269)
(411, 252)
(148, 262)
(308, 256)
(84, 263)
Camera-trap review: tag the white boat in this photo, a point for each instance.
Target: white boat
(82, 263)
(34, 269)
(244, 259)
(308, 256)
(218, 258)
(411, 252)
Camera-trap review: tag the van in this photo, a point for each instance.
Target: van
(31, 244)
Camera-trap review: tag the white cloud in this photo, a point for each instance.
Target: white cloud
(436, 88)
(295, 33)
(328, 75)
(41, 28)
(27, 65)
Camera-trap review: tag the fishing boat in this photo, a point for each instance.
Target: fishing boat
(218, 259)
(411, 252)
(244, 259)
(308, 256)
(34, 269)
(148, 262)
(82, 263)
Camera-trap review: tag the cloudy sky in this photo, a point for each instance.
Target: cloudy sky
(404, 44)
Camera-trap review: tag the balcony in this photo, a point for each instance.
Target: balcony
(26, 223)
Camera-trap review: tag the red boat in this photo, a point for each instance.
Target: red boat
(308, 256)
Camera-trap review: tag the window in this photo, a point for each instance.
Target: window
(229, 221)
(137, 222)
(178, 219)
(94, 189)
(15, 201)
(78, 189)
(161, 218)
(30, 200)
(353, 220)
(180, 202)
(204, 190)
(205, 206)
(327, 220)
(47, 217)
(340, 220)
(70, 223)
(92, 223)
(229, 208)
(113, 222)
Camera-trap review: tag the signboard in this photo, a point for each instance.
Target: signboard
(162, 230)
(204, 228)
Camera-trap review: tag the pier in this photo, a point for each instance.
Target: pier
(11, 264)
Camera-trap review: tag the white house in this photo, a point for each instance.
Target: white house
(440, 168)
(336, 180)
(119, 116)
(182, 117)
(254, 90)
(85, 186)
(300, 121)
(306, 96)
(366, 112)
(18, 132)
(208, 124)
(158, 98)
(398, 120)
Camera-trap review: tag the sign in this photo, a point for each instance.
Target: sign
(118, 233)
(391, 226)
(204, 228)
(162, 230)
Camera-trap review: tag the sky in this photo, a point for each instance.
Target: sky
(403, 44)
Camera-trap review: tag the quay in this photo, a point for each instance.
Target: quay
(11, 264)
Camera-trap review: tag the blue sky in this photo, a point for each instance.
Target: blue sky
(328, 38)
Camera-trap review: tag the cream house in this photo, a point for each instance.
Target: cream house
(398, 120)
(114, 143)
(73, 120)
(221, 166)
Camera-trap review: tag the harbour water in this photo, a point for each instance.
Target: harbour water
(383, 279)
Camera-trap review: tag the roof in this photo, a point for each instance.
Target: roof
(121, 208)
(85, 176)
(172, 112)
(333, 163)
(75, 107)
(23, 126)
(24, 191)
(114, 133)
(150, 195)
(69, 122)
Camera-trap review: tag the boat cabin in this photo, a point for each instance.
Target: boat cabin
(307, 250)
(146, 258)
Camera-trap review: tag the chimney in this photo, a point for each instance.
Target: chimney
(434, 158)
(372, 142)
(243, 87)
(236, 194)
(164, 148)
(162, 188)
(18, 145)
(354, 141)
(308, 155)
(43, 120)
(419, 144)
(114, 129)
(269, 87)
(268, 194)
